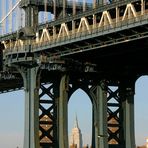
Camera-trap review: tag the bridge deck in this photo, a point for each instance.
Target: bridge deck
(117, 46)
(59, 5)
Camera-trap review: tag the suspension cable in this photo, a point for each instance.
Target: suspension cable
(10, 11)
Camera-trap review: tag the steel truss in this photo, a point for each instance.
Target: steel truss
(48, 89)
(49, 94)
(111, 100)
(47, 117)
(114, 113)
(119, 98)
(103, 27)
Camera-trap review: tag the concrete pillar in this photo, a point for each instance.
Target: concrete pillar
(63, 114)
(128, 117)
(31, 132)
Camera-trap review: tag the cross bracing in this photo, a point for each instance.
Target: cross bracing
(93, 25)
(101, 27)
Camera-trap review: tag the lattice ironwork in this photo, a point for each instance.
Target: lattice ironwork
(47, 116)
(114, 115)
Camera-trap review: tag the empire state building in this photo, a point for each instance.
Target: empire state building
(76, 136)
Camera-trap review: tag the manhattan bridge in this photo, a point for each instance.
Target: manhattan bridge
(92, 45)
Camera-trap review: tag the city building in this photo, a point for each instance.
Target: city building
(75, 139)
(144, 146)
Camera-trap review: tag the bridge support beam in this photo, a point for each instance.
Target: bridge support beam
(31, 136)
(63, 114)
(128, 116)
(31, 12)
(100, 117)
(53, 111)
(31, 16)
(102, 112)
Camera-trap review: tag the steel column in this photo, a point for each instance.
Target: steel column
(99, 100)
(94, 129)
(31, 138)
(31, 12)
(31, 16)
(102, 112)
(53, 110)
(128, 116)
(63, 121)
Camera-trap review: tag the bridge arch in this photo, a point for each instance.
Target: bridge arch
(80, 104)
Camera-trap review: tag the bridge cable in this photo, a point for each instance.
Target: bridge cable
(10, 18)
(10, 12)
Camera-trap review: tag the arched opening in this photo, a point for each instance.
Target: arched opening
(12, 119)
(141, 105)
(80, 105)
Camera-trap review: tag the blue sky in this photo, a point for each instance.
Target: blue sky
(12, 115)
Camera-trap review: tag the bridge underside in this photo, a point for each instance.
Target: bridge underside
(127, 59)
(116, 62)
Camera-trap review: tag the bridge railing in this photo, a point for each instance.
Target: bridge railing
(68, 4)
(22, 46)
(84, 33)
(78, 34)
(99, 7)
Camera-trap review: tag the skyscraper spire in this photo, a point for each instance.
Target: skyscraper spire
(76, 122)
(76, 135)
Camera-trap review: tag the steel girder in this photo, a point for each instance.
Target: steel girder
(112, 107)
(47, 117)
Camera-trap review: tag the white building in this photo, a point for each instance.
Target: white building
(76, 136)
(146, 142)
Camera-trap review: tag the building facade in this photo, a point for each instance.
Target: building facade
(76, 136)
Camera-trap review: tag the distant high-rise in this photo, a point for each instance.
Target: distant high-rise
(146, 142)
(76, 135)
